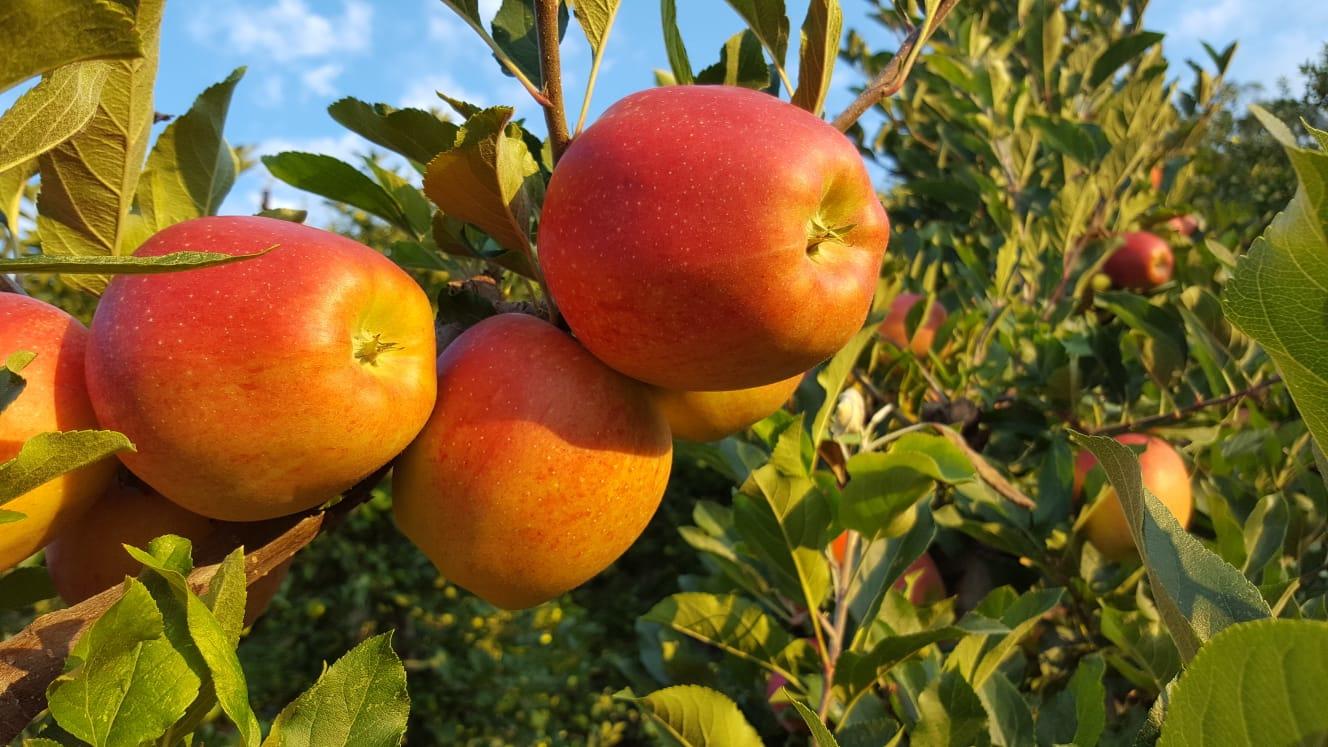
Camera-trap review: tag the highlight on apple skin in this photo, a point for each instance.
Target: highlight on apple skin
(538, 468)
(710, 416)
(268, 386)
(54, 398)
(88, 557)
(1143, 262)
(894, 329)
(1164, 475)
(688, 254)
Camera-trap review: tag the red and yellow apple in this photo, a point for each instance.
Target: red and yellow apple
(704, 238)
(54, 398)
(927, 586)
(710, 416)
(88, 557)
(538, 468)
(263, 387)
(1165, 476)
(1185, 225)
(1144, 261)
(895, 327)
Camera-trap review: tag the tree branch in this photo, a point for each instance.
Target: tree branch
(896, 72)
(1179, 413)
(34, 657)
(555, 116)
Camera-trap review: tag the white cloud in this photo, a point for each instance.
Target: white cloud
(285, 30)
(319, 79)
(493, 90)
(1204, 22)
(345, 146)
(271, 91)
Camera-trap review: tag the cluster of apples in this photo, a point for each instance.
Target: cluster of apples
(700, 270)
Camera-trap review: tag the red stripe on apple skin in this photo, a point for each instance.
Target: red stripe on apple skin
(675, 238)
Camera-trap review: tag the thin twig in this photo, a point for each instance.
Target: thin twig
(546, 24)
(594, 71)
(1179, 413)
(505, 60)
(896, 72)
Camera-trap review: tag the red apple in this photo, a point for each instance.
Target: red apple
(1143, 262)
(268, 386)
(1155, 177)
(1165, 476)
(53, 399)
(710, 416)
(88, 557)
(707, 237)
(538, 468)
(895, 327)
(1185, 225)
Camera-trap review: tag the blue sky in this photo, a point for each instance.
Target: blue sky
(304, 54)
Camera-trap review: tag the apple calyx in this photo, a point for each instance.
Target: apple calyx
(818, 233)
(367, 349)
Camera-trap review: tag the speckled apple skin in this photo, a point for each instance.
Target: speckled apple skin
(539, 467)
(1165, 476)
(88, 556)
(710, 416)
(1143, 262)
(675, 232)
(54, 398)
(239, 384)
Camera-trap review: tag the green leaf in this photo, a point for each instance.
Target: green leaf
(883, 562)
(13, 186)
(740, 64)
(360, 700)
(11, 384)
(856, 671)
(1265, 531)
(515, 33)
(819, 50)
(42, 35)
(673, 46)
(833, 376)
(870, 733)
(1069, 138)
(335, 179)
(1090, 699)
(1197, 593)
(1119, 53)
(126, 265)
(1008, 716)
(1279, 292)
(46, 456)
(731, 623)
(195, 631)
(699, 717)
(51, 113)
(596, 19)
(820, 735)
(24, 586)
(883, 486)
(978, 657)
(88, 181)
(1253, 683)
(125, 684)
(950, 714)
(769, 22)
(486, 181)
(226, 594)
(191, 168)
(467, 9)
(414, 133)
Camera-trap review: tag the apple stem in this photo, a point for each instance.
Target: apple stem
(367, 349)
(546, 15)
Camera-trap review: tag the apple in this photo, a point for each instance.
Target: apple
(705, 238)
(54, 398)
(710, 416)
(928, 586)
(1155, 178)
(895, 327)
(88, 557)
(268, 386)
(1143, 262)
(538, 468)
(1185, 225)
(1165, 476)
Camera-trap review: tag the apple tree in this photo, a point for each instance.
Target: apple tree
(1064, 485)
